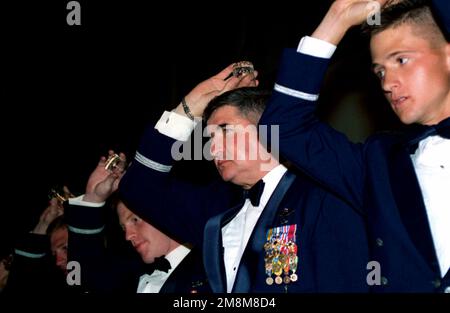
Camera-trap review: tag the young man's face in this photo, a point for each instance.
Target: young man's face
(148, 241)
(414, 74)
(234, 146)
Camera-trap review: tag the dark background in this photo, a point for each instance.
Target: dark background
(72, 92)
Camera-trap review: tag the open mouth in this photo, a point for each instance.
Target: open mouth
(397, 102)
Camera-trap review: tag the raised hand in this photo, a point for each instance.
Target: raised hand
(199, 97)
(344, 14)
(53, 210)
(104, 180)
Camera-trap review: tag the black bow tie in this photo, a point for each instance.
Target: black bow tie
(162, 264)
(420, 132)
(254, 193)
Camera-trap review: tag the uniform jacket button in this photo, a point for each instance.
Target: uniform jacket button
(436, 283)
(379, 242)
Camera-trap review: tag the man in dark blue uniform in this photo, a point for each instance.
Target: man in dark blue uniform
(166, 266)
(400, 180)
(286, 235)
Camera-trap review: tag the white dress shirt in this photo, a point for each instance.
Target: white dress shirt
(154, 282)
(432, 164)
(237, 232)
(80, 202)
(175, 126)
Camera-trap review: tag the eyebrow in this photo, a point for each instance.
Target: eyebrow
(126, 219)
(62, 244)
(221, 126)
(59, 246)
(375, 67)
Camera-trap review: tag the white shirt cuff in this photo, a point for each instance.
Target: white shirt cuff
(316, 47)
(79, 201)
(175, 126)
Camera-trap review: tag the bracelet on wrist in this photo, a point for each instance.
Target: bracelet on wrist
(186, 109)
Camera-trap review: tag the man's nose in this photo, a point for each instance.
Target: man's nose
(61, 259)
(217, 148)
(129, 233)
(390, 81)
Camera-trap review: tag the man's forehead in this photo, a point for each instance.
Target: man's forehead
(227, 115)
(59, 235)
(394, 38)
(124, 213)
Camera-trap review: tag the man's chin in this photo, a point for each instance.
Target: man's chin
(225, 177)
(147, 259)
(407, 120)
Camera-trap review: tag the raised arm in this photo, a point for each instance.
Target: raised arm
(320, 151)
(442, 10)
(101, 270)
(179, 208)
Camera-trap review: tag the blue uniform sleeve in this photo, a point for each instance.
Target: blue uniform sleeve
(315, 148)
(178, 207)
(102, 270)
(442, 10)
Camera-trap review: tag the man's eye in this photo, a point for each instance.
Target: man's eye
(228, 129)
(402, 60)
(380, 74)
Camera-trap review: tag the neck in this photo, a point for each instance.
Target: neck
(436, 120)
(172, 246)
(264, 168)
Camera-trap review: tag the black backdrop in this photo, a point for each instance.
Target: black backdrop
(72, 92)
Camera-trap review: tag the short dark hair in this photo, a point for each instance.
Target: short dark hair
(414, 12)
(250, 102)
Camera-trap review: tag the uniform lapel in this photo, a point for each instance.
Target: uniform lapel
(213, 249)
(258, 238)
(411, 207)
